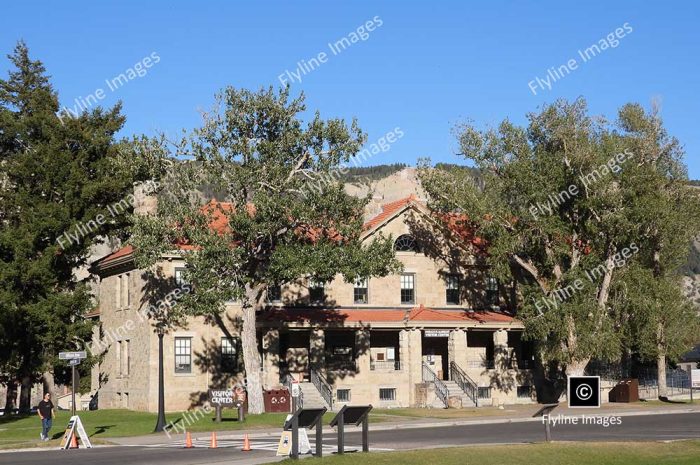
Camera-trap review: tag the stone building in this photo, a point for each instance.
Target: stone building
(438, 334)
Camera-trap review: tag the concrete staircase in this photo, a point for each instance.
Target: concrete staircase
(456, 391)
(312, 398)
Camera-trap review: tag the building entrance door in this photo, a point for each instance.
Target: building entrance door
(294, 353)
(435, 353)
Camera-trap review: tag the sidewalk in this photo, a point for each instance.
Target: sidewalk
(516, 414)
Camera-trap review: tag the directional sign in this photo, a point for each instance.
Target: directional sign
(72, 355)
(74, 362)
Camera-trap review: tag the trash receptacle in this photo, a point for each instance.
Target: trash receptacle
(626, 390)
(277, 400)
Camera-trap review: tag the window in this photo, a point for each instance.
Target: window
(229, 358)
(317, 292)
(183, 355)
(180, 276)
(121, 291)
(408, 293)
(406, 243)
(343, 395)
(126, 302)
(524, 392)
(483, 392)
(452, 296)
(387, 394)
(118, 293)
(125, 362)
(340, 357)
(274, 293)
(360, 291)
(491, 291)
(119, 357)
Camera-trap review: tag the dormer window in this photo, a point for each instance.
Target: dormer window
(317, 291)
(406, 243)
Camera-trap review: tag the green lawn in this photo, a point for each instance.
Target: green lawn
(454, 413)
(637, 453)
(102, 424)
(114, 423)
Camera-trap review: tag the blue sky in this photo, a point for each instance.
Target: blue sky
(427, 67)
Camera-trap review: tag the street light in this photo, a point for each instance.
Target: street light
(160, 424)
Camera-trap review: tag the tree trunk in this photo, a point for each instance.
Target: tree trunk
(11, 396)
(49, 383)
(25, 395)
(661, 360)
(577, 367)
(661, 370)
(251, 356)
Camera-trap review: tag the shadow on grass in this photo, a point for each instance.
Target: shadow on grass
(5, 419)
(101, 429)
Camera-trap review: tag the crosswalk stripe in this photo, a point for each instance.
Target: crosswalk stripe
(256, 444)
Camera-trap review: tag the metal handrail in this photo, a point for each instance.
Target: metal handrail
(440, 387)
(394, 365)
(467, 384)
(323, 387)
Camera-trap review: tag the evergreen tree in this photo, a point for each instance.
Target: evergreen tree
(55, 176)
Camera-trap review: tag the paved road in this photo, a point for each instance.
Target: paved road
(633, 428)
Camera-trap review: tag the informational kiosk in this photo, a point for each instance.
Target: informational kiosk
(546, 410)
(352, 416)
(306, 418)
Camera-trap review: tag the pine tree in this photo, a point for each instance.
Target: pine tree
(55, 175)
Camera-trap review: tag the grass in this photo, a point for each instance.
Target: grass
(103, 424)
(621, 453)
(453, 413)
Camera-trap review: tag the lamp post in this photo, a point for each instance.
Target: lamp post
(160, 424)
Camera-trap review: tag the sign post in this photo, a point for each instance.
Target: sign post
(544, 412)
(302, 418)
(694, 381)
(355, 415)
(74, 359)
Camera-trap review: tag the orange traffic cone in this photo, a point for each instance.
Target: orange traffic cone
(246, 443)
(188, 441)
(213, 445)
(73, 442)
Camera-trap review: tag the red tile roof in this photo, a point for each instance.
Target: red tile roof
(368, 315)
(124, 251)
(428, 314)
(389, 210)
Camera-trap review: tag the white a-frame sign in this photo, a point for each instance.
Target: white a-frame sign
(75, 425)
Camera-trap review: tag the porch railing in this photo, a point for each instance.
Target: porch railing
(323, 387)
(488, 364)
(385, 365)
(467, 384)
(288, 381)
(440, 388)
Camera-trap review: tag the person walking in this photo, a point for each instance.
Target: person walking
(47, 414)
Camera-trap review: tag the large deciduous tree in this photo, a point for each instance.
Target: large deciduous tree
(54, 177)
(271, 221)
(662, 322)
(559, 208)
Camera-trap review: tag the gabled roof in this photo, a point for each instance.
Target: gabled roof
(391, 210)
(124, 252)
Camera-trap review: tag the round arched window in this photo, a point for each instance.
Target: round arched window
(406, 243)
